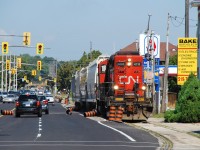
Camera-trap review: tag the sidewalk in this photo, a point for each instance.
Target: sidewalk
(183, 135)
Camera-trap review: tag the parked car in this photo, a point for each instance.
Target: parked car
(44, 102)
(11, 98)
(28, 104)
(50, 99)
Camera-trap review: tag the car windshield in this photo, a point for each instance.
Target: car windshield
(10, 95)
(49, 96)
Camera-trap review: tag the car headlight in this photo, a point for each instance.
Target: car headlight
(116, 87)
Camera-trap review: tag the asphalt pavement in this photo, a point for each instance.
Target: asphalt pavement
(58, 130)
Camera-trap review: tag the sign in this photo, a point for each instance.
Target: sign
(149, 74)
(187, 58)
(146, 41)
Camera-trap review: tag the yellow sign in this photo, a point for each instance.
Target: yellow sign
(187, 58)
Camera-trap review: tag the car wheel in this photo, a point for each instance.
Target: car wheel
(47, 112)
(40, 114)
(17, 115)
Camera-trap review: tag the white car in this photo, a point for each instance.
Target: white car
(50, 99)
(11, 98)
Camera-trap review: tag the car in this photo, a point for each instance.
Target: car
(44, 101)
(50, 99)
(11, 98)
(28, 104)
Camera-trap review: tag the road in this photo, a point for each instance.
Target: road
(62, 132)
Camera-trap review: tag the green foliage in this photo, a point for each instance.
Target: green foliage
(67, 69)
(188, 104)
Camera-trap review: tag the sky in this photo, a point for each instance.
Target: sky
(67, 27)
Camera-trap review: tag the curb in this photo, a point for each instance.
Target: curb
(165, 143)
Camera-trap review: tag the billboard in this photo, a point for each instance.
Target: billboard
(187, 58)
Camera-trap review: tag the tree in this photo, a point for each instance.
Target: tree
(188, 104)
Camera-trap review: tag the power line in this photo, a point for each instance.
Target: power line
(180, 21)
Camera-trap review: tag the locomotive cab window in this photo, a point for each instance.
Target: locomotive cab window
(121, 64)
(136, 63)
(103, 69)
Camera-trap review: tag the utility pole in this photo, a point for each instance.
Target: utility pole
(165, 83)
(186, 18)
(197, 4)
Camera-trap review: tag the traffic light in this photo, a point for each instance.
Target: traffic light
(26, 38)
(4, 47)
(40, 78)
(25, 78)
(40, 48)
(19, 62)
(33, 72)
(7, 64)
(39, 65)
(13, 71)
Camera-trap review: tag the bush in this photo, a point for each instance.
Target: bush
(188, 104)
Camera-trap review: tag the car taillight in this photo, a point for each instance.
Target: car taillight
(17, 104)
(45, 102)
(38, 103)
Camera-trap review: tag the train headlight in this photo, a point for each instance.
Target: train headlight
(128, 64)
(129, 59)
(143, 87)
(116, 87)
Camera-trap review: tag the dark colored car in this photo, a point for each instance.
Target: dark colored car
(44, 102)
(28, 104)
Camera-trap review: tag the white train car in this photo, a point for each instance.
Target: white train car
(76, 92)
(92, 82)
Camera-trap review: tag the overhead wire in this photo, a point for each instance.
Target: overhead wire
(180, 21)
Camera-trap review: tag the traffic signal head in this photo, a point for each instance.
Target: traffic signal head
(4, 47)
(7, 64)
(19, 62)
(39, 65)
(26, 38)
(40, 48)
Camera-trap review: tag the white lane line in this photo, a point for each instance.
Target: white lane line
(39, 128)
(124, 134)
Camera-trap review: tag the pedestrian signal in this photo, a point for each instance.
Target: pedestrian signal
(26, 38)
(40, 48)
(7, 64)
(4, 47)
(39, 65)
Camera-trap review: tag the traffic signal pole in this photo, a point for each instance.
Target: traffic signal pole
(2, 67)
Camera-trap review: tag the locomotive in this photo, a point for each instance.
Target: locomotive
(121, 86)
